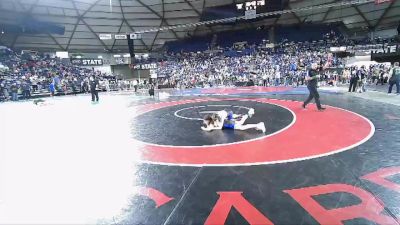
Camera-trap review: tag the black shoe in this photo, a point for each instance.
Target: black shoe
(304, 106)
(321, 109)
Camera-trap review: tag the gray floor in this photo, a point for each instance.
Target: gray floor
(374, 92)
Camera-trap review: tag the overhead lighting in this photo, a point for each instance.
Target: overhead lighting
(145, 55)
(100, 57)
(78, 56)
(127, 55)
(2, 31)
(117, 56)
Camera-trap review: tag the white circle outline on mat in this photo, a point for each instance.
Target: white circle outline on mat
(196, 107)
(233, 143)
(372, 132)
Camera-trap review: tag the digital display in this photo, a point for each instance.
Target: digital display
(238, 9)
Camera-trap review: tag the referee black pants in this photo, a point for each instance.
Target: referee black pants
(313, 95)
(353, 84)
(95, 95)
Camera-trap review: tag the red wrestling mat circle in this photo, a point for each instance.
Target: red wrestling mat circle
(244, 90)
(313, 134)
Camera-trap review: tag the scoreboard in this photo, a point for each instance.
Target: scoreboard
(252, 5)
(239, 9)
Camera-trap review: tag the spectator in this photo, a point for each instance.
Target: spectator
(14, 92)
(4, 91)
(135, 84)
(52, 89)
(395, 78)
(26, 89)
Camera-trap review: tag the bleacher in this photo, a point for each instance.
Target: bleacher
(254, 36)
(193, 44)
(251, 36)
(302, 33)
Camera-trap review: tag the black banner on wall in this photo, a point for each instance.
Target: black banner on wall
(87, 62)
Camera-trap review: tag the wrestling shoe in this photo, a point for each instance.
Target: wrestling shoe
(261, 127)
(321, 109)
(251, 112)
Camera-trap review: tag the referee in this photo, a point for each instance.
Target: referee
(312, 87)
(94, 83)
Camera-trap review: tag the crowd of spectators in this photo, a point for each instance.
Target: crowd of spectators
(284, 64)
(261, 64)
(22, 75)
(264, 64)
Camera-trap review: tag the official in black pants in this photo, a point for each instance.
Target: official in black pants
(353, 82)
(312, 87)
(381, 79)
(93, 83)
(151, 90)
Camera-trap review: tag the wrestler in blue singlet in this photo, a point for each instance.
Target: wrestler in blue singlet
(229, 123)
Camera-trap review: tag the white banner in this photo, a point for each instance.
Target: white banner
(338, 49)
(105, 36)
(120, 37)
